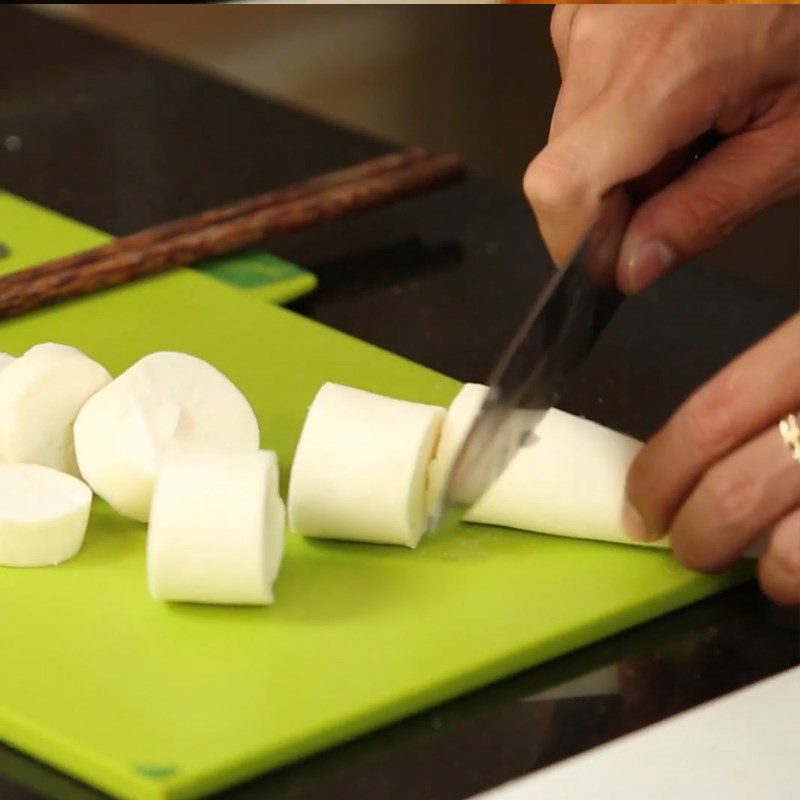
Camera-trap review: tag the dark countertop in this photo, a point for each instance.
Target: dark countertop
(122, 140)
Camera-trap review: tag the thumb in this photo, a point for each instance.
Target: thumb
(740, 177)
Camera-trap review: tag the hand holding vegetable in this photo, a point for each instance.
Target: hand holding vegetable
(718, 474)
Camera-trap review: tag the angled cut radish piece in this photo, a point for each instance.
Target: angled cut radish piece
(122, 432)
(569, 481)
(460, 416)
(41, 394)
(360, 469)
(43, 515)
(216, 527)
(6, 360)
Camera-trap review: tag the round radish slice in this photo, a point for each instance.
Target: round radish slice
(43, 515)
(360, 469)
(122, 432)
(216, 527)
(460, 416)
(41, 394)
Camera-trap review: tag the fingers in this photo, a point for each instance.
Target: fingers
(741, 177)
(560, 27)
(620, 136)
(741, 496)
(779, 567)
(575, 94)
(563, 112)
(750, 394)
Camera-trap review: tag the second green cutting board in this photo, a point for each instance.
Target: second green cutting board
(150, 701)
(31, 234)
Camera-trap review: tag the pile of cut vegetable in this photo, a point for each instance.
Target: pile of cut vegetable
(173, 443)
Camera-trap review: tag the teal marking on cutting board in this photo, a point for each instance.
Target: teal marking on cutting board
(156, 771)
(248, 269)
(275, 279)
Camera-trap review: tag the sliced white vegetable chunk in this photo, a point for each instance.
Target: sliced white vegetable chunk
(43, 515)
(52, 351)
(41, 394)
(122, 432)
(569, 481)
(6, 360)
(460, 416)
(216, 528)
(360, 469)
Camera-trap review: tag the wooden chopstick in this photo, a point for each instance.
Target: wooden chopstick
(228, 228)
(142, 240)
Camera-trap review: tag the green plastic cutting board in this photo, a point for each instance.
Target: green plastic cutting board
(147, 700)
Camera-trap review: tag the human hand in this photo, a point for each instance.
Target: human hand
(640, 85)
(719, 474)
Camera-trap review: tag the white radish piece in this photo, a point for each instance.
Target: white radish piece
(52, 351)
(6, 360)
(123, 431)
(360, 468)
(41, 394)
(568, 481)
(125, 474)
(216, 527)
(43, 515)
(460, 416)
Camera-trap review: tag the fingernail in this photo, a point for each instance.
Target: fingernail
(633, 523)
(651, 261)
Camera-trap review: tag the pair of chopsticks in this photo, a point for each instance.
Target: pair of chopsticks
(231, 227)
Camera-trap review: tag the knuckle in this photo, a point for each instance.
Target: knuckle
(558, 25)
(553, 182)
(708, 219)
(693, 556)
(732, 495)
(709, 531)
(586, 26)
(698, 551)
(708, 418)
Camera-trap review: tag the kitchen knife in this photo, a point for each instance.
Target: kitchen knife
(557, 334)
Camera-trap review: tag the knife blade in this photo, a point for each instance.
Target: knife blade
(556, 336)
